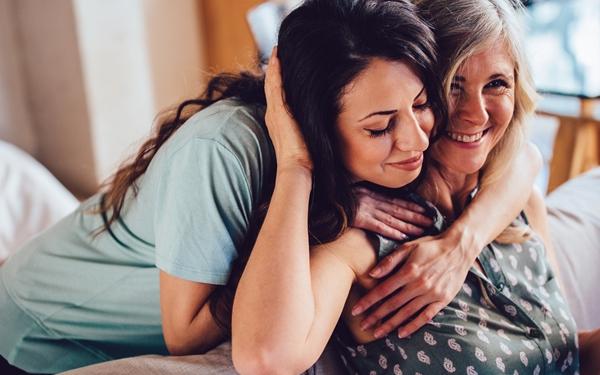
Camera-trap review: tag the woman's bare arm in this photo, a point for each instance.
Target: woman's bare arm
(288, 300)
(436, 267)
(188, 325)
(495, 206)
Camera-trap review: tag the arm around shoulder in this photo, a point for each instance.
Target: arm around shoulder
(500, 201)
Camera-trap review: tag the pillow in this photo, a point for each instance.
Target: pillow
(31, 199)
(574, 220)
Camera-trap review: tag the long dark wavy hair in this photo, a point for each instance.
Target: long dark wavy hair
(323, 45)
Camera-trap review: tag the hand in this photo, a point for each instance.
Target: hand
(432, 272)
(589, 352)
(390, 217)
(288, 142)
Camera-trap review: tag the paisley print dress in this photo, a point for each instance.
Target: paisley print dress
(510, 319)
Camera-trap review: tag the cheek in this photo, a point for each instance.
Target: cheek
(360, 154)
(501, 113)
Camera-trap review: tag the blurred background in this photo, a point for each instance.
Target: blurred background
(82, 80)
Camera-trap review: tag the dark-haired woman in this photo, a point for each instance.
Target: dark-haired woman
(145, 266)
(509, 316)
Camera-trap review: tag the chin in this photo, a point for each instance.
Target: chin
(399, 182)
(468, 167)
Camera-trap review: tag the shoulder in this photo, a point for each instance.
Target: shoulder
(352, 248)
(230, 123)
(227, 132)
(530, 158)
(532, 153)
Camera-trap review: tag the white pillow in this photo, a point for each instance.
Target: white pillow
(31, 199)
(574, 220)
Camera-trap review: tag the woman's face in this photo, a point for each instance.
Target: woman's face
(384, 125)
(481, 108)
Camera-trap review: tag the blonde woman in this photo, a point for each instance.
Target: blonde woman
(509, 315)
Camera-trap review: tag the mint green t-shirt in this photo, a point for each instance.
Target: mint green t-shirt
(70, 299)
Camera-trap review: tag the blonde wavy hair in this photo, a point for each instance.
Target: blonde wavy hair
(464, 28)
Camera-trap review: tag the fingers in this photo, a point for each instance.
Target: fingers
(405, 214)
(273, 85)
(423, 318)
(399, 225)
(382, 290)
(411, 206)
(401, 316)
(366, 220)
(391, 304)
(390, 262)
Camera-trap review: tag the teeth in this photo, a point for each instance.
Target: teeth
(465, 138)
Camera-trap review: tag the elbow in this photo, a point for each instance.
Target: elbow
(255, 362)
(260, 361)
(182, 344)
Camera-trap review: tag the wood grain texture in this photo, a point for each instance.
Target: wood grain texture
(576, 146)
(228, 39)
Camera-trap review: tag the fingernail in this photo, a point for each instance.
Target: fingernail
(357, 310)
(375, 272)
(378, 334)
(420, 208)
(401, 334)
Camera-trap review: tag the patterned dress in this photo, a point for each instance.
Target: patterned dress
(512, 319)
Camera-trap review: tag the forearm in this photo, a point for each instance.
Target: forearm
(274, 304)
(497, 204)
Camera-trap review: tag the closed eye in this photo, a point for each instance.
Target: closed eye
(375, 133)
(422, 106)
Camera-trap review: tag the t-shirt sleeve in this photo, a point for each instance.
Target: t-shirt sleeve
(204, 212)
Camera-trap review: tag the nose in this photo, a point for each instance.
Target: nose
(410, 136)
(471, 108)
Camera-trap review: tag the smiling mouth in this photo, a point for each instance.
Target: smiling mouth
(409, 164)
(466, 138)
(411, 160)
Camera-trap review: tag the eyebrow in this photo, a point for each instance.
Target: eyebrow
(379, 113)
(493, 76)
(501, 75)
(388, 112)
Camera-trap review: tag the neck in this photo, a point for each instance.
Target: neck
(448, 189)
